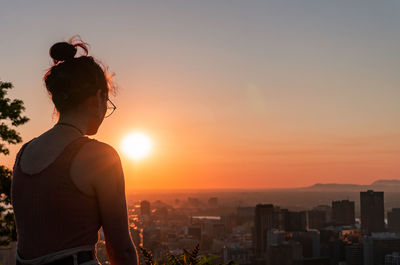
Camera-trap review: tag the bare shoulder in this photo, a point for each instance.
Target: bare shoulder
(97, 161)
(95, 151)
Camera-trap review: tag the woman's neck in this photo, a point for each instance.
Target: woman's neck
(77, 124)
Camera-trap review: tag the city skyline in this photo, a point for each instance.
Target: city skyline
(269, 233)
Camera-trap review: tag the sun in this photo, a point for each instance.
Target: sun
(137, 145)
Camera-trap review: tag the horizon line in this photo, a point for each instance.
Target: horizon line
(248, 189)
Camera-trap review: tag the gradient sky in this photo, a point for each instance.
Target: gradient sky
(234, 94)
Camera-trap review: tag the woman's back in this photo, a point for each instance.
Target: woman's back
(52, 212)
(66, 186)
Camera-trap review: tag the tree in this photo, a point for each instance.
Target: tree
(10, 116)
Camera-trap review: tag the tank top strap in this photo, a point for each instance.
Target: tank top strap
(21, 150)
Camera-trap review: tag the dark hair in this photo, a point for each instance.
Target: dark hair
(72, 79)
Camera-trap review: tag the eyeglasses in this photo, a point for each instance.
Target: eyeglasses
(110, 108)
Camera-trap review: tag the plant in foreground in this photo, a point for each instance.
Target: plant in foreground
(188, 257)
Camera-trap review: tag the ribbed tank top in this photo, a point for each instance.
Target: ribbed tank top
(51, 213)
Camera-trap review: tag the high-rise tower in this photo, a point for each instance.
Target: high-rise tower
(343, 212)
(266, 218)
(372, 212)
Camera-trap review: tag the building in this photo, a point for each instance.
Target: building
(161, 213)
(327, 209)
(275, 237)
(151, 239)
(266, 218)
(193, 231)
(393, 218)
(194, 202)
(294, 221)
(241, 256)
(331, 245)
(392, 259)
(316, 219)
(245, 214)
(372, 212)
(310, 241)
(145, 208)
(343, 213)
(136, 235)
(288, 253)
(219, 231)
(377, 246)
(317, 261)
(353, 254)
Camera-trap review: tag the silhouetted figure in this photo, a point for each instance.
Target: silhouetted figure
(66, 185)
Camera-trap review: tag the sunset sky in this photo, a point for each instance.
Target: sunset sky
(233, 94)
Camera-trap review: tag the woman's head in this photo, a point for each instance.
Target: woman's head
(77, 83)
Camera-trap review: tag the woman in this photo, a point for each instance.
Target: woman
(65, 185)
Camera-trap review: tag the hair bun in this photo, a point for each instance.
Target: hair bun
(62, 51)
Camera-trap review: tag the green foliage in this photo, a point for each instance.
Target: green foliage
(10, 112)
(188, 257)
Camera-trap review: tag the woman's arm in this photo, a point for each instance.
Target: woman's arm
(107, 180)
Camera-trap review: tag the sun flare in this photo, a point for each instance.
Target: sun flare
(137, 145)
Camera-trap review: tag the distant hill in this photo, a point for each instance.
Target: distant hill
(388, 185)
(386, 182)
